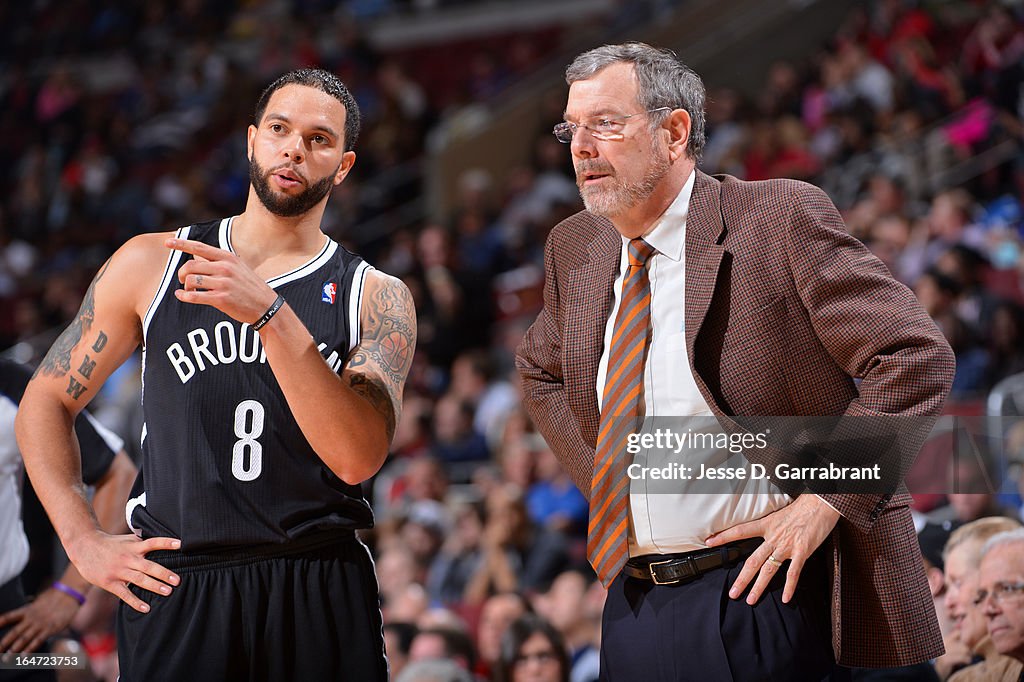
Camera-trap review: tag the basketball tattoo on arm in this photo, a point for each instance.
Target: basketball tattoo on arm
(380, 363)
(57, 362)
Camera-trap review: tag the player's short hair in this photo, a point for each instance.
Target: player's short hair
(324, 81)
(662, 81)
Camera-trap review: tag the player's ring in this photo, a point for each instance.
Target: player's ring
(775, 562)
(199, 280)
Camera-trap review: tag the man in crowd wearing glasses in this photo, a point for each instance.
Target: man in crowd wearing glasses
(1002, 591)
(679, 294)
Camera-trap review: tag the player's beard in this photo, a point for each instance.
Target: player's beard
(613, 197)
(282, 204)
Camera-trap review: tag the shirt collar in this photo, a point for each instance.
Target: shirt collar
(668, 234)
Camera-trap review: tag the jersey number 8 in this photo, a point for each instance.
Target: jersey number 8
(248, 427)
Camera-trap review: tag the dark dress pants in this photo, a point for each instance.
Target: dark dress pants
(694, 631)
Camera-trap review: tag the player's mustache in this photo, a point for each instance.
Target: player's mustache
(291, 169)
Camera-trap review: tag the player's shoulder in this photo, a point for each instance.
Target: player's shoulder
(379, 283)
(143, 250)
(132, 274)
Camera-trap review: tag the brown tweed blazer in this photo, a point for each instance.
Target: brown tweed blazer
(783, 307)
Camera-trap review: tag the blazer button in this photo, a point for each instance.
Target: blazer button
(873, 516)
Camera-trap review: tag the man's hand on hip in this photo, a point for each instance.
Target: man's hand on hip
(790, 534)
(114, 562)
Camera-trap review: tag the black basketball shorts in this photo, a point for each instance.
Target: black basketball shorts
(308, 610)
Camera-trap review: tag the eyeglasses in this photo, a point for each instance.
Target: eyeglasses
(1000, 593)
(542, 657)
(601, 127)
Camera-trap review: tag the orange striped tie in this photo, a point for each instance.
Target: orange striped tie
(621, 414)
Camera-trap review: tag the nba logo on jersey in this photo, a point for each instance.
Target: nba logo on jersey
(330, 291)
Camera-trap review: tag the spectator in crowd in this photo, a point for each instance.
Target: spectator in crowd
(532, 650)
(425, 480)
(460, 556)
(517, 553)
(496, 616)
(933, 538)
(569, 609)
(398, 637)
(1006, 341)
(455, 438)
(553, 500)
(475, 379)
(445, 643)
(969, 637)
(423, 531)
(1001, 592)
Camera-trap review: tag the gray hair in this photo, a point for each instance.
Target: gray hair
(978, 531)
(662, 81)
(1010, 537)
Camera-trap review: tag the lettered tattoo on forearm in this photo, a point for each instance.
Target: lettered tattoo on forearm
(384, 355)
(57, 362)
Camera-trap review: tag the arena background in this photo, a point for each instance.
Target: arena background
(119, 118)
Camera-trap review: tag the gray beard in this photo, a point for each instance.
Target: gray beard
(611, 201)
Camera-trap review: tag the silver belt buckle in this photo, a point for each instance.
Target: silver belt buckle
(654, 575)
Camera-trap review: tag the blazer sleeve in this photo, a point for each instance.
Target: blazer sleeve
(874, 327)
(539, 362)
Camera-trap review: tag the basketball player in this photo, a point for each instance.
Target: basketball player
(273, 372)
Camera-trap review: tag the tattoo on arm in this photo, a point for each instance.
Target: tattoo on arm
(57, 362)
(384, 355)
(374, 392)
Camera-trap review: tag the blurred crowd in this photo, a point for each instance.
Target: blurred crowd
(128, 120)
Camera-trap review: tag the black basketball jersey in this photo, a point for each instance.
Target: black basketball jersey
(224, 463)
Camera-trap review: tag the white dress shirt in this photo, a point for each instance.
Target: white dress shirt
(664, 523)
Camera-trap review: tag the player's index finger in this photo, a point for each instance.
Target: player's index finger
(198, 249)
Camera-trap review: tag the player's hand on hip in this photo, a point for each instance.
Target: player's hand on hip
(114, 562)
(219, 278)
(35, 622)
(790, 534)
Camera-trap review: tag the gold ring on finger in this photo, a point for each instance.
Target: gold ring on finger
(774, 562)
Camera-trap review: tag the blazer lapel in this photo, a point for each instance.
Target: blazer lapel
(704, 230)
(588, 302)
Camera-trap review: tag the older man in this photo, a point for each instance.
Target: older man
(1002, 591)
(676, 294)
(969, 636)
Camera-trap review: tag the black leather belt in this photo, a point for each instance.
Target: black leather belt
(673, 569)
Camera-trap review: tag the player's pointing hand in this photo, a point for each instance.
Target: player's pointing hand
(219, 278)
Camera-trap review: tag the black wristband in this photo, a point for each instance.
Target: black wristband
(271, 311)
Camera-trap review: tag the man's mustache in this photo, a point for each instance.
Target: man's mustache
(585, 169)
